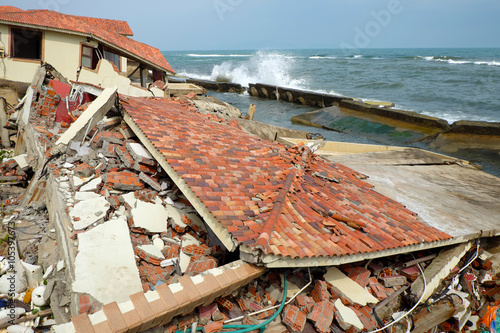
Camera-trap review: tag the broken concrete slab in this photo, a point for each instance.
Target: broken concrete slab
(139, 153)
(83, 196)
(87, 212)
(152, 251)
(175, 216)
(105, 264)
(151, 217)
(346, 317)
(347, 288)
(438, 270)
(87, 121)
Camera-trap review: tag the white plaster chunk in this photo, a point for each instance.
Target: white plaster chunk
(348, 316)
(139, 150)
(34, 274)
(83, 196)
(38, 296)
(348, 288)
(91, 186)
(21, 160)
(48, 271)
(151, 217)
(175, 216)
(130, 199)
(158, 242)
(105, 266)
(120, 211)
(152, 251)
(89, 212)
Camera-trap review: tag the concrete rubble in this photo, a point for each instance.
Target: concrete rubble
(98, 238)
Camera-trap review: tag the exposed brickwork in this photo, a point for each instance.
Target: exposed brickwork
(11, 172)
(360, 275)
(200, 264)
(320, 292)
(322, 316)
(122, 180)
(294, 318)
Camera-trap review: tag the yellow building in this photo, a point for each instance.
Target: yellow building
(77, 47)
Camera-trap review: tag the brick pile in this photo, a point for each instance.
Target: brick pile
(46, 102)
(11, 172)
(113, 159)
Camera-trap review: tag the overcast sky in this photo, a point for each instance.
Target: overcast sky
(291, 24)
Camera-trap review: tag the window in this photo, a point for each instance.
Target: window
(113, 58)
(89, 57)
(26, 44)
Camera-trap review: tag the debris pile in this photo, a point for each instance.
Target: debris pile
(94, 226)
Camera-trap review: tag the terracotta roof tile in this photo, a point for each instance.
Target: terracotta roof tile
(298, 214)
(113, 32)
(9, 9)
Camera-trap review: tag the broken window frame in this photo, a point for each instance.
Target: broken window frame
(113, 57)
(94, 56)
(22, 36)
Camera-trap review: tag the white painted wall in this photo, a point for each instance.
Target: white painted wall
(63, 52)
(60, 50)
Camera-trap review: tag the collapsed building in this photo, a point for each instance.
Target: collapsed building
(125, 210)
(153, 213)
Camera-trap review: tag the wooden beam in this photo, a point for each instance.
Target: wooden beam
(431, 316)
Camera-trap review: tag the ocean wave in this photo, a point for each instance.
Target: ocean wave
(457, 61)
(262, 67)
(195, 55)
(357, 56)
(489, 63)
(321, 57)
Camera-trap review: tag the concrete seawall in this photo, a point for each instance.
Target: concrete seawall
(463, 134)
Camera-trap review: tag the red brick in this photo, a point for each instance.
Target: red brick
(294, 318)
(322, 316)
(320, 292)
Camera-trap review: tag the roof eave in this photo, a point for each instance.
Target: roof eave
(274, 261)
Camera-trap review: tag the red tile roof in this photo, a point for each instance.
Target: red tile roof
(111, 32)
(9, 9)
(284, 202)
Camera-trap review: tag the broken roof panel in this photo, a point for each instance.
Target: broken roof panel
(111, 32)
(277, 202)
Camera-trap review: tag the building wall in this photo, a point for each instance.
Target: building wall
(63, 52)
(59, 49)
(13, 69)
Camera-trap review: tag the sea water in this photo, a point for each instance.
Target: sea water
(452, 84)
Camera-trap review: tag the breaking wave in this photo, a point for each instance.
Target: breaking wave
(262, 67)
